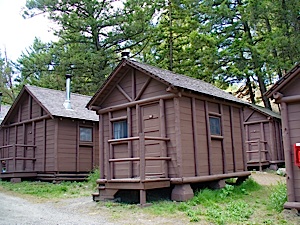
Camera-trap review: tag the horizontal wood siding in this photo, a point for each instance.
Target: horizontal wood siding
(49, 150)
(115, 98)
(126, 84)
(66, 145)
(85, 157)
(294, 131)
(154, 88)
(140, 80)
(202, 139)
(170, 131)
(106, 136)
(238, 142)
(188, 158)
(120, 168)
(227, 134)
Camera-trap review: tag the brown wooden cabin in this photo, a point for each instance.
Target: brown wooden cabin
(263, 139)
(159, 129)
(41, 139)
(286, 92)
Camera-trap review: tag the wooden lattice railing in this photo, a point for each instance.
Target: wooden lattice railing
(10, 159)
(142, 159)
(261, 149)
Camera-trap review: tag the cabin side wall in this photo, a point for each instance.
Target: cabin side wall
(259, 126)
(184, 119)
(290, 109)
(294, 134)
(28, 124)
(71, 153)
(204, 153)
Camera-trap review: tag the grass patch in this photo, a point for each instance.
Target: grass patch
(278, 197)
(247, 203)
(243, 204)
(65, 189)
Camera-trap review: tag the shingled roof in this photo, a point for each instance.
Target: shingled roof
(3, 111)
(295, 71)
(265, 111)
(52, 101)
(175, 80)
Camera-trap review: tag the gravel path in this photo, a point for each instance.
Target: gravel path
(15, 210)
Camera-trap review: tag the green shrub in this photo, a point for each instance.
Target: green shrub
(278, 196)
(93, 176)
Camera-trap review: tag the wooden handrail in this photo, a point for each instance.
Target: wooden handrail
(138, 159)
(137, 138)
(6, 146)
(142, 159)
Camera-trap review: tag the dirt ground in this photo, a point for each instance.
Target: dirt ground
(21, 210)
(264, 178)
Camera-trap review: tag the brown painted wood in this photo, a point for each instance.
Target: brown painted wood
(164, 149)
(27, 121)
(241, 115)
(134, 103)
(195, 136)
(129, 146)
(287, 154)
(142, 156)
(77, 135)
(208, 139)
(110, 171)
(232, 138)
(143, 88)
(124, 93)
(178, 137)
(223, 142)
(199, 179)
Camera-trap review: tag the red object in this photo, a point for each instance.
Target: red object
(297, 154)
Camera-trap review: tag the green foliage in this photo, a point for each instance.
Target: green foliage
(224, 206)
(48, 190)
(278, 196)
(93, 176)
(6, 80)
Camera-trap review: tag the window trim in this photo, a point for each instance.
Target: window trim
(215, 135)
(92, 136)
(121, 135)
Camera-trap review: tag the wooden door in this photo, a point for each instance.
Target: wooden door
(255, 135)
(151, 127)
(85, 158)
(28, 151)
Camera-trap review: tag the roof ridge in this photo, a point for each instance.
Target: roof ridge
(72, 93)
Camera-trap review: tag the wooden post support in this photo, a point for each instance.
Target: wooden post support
(142, 157)
(142, 198)
(259, 152)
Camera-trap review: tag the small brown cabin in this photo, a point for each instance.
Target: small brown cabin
(286, 92)
(41, 139)
(158, 129)
(263, 139)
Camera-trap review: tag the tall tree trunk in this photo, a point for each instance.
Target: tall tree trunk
(251, 93)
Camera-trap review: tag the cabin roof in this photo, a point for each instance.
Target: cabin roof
(265, 111)
(52, 101)
(3, 112)
(170, 79)
(283, 81)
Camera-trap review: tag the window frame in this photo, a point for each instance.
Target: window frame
(90, 140)
(123, 129)
(218, 128)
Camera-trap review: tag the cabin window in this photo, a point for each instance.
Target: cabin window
(86, 134)
(120, 129)
(215, 125)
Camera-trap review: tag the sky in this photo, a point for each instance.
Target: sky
(17, 33)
